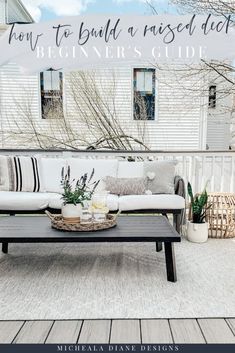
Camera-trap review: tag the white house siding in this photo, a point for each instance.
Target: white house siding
(219, 134)
(2, 11)
(182, 118)
(16, 91)
(177, 125)
(178, 115)
(180, 122)
(20, 110)
(219, 119)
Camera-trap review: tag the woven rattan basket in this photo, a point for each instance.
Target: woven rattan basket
(221, 215)
(57, 222)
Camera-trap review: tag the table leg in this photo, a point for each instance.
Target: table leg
(5, 248)
(170, 262)
(159, 246)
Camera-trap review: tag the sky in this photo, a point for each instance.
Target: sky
(43, 10)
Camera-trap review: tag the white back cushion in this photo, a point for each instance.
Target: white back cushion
(130, 169)
(51, 173)
(103, 168)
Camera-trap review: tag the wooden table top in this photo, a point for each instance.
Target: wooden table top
(129, 229)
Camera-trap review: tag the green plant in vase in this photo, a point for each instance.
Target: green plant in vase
(198, 228)
(198, 205)
(76, 193)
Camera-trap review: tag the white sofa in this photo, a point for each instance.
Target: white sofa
(50, 195)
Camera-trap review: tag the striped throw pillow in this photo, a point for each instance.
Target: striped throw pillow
(20, 174)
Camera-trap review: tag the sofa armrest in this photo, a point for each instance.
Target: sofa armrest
(181, 191)
(180, 186)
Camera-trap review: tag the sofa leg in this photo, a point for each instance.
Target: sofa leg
(159, 246)
(5, 248)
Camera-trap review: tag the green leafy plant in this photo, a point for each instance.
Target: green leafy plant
(199, 205)
(76, 192)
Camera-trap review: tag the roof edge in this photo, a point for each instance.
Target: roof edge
(25, 10)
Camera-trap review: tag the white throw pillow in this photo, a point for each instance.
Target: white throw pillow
(130, 169)
(51, 173)
(102, 167)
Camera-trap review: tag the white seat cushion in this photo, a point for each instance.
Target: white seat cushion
(151, 202)
(56, 202)
(112, 202)
(23, 201)
(30, 201)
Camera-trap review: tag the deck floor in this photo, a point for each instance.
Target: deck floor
(119, 331)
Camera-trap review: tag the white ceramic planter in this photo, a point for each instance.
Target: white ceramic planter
(197, 232)
(72, 212)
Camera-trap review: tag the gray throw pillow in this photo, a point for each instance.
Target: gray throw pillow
(125, 186)
(160, 176)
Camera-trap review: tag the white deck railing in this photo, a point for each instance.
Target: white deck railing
(198, 167)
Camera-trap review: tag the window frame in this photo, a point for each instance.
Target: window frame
(212, 99)
(147, 68)
(62, 94)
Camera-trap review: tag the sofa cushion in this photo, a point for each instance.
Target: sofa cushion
(6, 182)
(160, 176)
(130, 169)
(102, 167)
(56, 202)
(20, 173)
(112, 202)
(151, 202)
(23, 201)
(51, 173)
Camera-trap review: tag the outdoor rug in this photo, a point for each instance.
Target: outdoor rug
(95, 281)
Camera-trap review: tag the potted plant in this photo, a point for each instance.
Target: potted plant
(197, 230)
(75, 194)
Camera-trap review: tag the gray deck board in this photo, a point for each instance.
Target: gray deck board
(186, 331)
(34, 332)
(64, 332)
(156, 331)
(95, 331)
(216, 331)
(231, 323)
(119, 331)
(125, 331)
(9, 330)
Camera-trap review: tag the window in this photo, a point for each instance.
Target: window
(212, 96)
(51, 94)
(144, 94)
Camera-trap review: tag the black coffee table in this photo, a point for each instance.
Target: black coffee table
(37, 229)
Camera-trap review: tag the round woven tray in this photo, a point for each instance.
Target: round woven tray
(57, 222)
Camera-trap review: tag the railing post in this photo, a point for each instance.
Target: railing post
(232, 188)
(222, 174)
